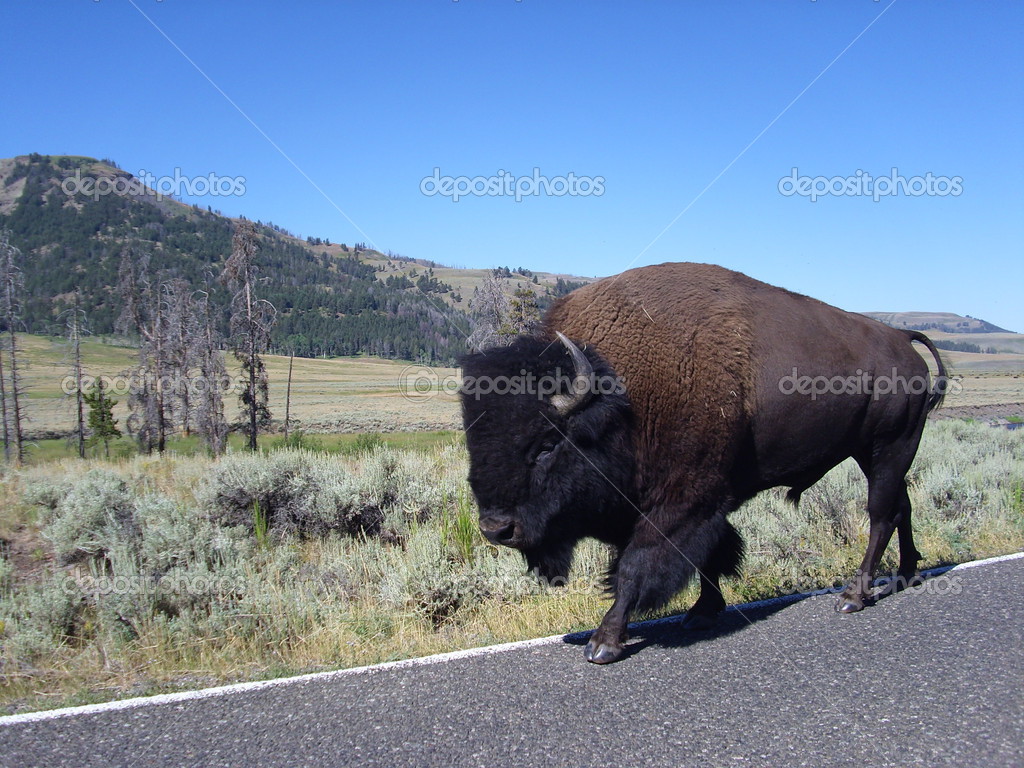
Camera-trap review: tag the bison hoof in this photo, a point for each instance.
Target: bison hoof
(849, 605)
(604, 653)
(698, 622)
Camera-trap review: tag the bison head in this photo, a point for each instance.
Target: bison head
(548, 429)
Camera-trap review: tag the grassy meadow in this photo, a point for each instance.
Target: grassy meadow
(141, 574)
(329, 396)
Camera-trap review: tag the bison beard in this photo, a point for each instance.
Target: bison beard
(667, 412)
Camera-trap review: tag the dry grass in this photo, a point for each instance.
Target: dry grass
(353, 394)
(980, 388)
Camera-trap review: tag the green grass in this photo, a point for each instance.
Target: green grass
(44, 451)
(319, 559)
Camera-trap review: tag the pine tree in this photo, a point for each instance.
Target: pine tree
(524, 314)
(102, 424)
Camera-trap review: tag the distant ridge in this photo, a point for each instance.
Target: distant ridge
(947, 322)
(333, 298)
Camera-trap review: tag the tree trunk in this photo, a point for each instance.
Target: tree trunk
(3, 408)
(78, 386)
(288, 396)
(15, 412)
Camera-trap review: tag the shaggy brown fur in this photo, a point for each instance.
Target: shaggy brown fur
(680, 336)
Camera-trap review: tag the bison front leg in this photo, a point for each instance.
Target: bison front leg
(609, 640)
(646, 577)
(630, 580)
(654, 566)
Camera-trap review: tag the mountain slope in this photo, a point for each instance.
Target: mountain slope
(327, 304)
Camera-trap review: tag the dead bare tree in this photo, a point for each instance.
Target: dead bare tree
(181, 347)
(210, 419)
(490, 308)
(3, 409)
(288, 397)
(12, 282)
(252, 319)
(143, 313)
(75, 327)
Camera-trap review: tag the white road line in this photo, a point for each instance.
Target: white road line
(227, 690)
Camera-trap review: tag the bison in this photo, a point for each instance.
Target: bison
(652, 404)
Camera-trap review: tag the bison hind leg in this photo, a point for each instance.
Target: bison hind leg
(888, 509)
(907, 576)
(909, 556)
(724, 560)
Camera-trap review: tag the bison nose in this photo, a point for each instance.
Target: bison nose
(498, 528)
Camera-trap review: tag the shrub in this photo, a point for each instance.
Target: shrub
(44, 489)
(93, 517)
(36, 620)
(312, 494)
(367, 442)
(176, 535)
(241, 480)
(6, 574)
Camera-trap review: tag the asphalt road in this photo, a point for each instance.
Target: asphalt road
(924, 678)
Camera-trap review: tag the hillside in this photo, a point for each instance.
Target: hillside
(72, 217)
(969, 344)
(947, 322)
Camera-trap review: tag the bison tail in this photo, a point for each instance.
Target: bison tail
(941, 382)
(793, 496)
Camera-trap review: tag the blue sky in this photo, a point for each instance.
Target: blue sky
(686, 116)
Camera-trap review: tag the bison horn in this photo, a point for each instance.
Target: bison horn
(581, 388)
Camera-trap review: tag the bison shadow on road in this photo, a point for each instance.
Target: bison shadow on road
(671, 632)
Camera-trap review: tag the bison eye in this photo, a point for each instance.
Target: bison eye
(544, 450)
